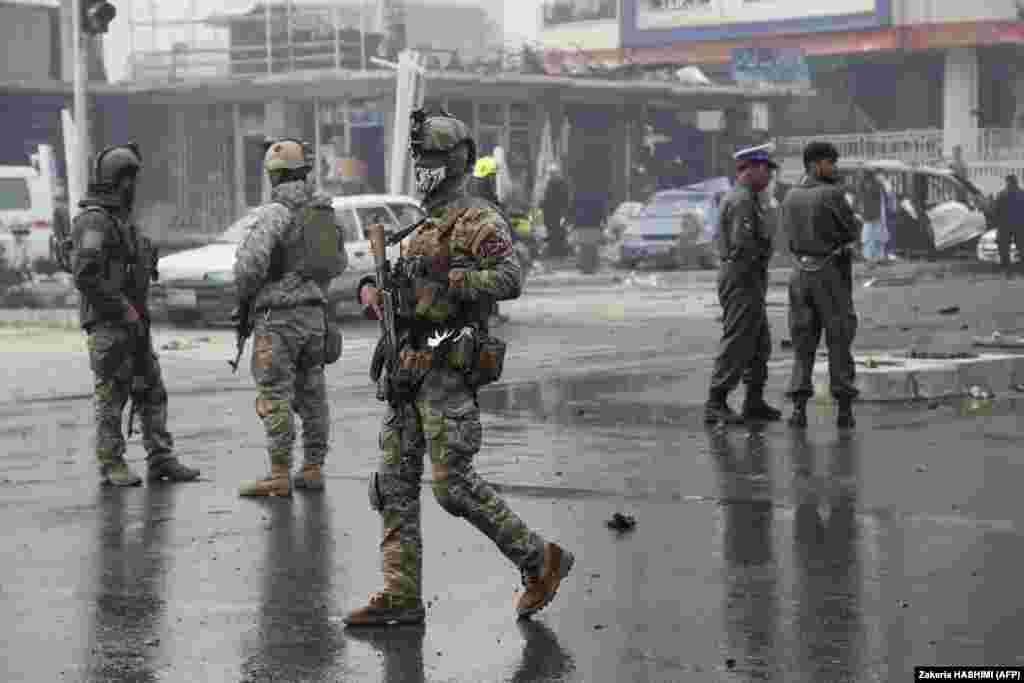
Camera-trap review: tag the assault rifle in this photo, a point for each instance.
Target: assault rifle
(243, 329)
(380, 240)
(141, 364)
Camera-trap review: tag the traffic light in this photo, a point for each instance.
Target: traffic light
(96, 16)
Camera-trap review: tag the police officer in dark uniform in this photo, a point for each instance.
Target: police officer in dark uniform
(745, 248)
(112, 265)
(822, 229)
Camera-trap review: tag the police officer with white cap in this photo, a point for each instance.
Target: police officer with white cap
(745, 247)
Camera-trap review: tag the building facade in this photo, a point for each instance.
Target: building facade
(933, 69)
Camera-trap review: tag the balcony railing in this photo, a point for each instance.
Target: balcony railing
(911, 146)
(569, 12)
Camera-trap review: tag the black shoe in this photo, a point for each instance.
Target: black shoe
(761, 411)
(170, 469)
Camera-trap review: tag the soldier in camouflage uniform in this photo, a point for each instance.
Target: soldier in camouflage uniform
(112, 266)
(433, 395)
(288, 310)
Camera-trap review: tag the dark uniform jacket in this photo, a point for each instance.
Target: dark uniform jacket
(112, 262)
(744, 234)
(818, 219)
(1009, 210)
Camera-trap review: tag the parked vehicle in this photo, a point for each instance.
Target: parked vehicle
(988, 249)
(672, 230)
(198, 284)
(931, 209)
(26, 215)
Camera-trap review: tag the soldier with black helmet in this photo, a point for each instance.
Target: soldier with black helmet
(113, 264)
(291, 251)
(458, 262)
(822, 230)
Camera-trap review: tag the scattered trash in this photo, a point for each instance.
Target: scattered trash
(904, 604)
(920, 468)
(980, 393)
(559, 473)
(904, 329)
(730, 663)
(152, 642)
(621, 523)
(579, 411)
(949, 310)
(997, 340)
(965, 326)
(1019, 388)
(933, 405)
(598, 627)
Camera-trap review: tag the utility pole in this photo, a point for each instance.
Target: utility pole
(80, 108)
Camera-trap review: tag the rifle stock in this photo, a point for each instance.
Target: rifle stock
(243, 328)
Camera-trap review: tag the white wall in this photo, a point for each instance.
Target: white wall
(961, 95)
(937, 11)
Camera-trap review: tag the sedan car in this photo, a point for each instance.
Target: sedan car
(988, 249)
(673, 229)
(198, 284)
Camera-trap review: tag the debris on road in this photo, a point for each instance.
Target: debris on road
(998, 341)
(981, 393)
(949, 310)
(621, 523)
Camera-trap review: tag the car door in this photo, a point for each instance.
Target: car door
(360, 260)
(368, 215)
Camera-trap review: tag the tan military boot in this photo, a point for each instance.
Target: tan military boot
(117, 473)
(310, 477)
(277, 484)
(541, 590)
(399, 602)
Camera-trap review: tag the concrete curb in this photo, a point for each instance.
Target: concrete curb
(907, 379)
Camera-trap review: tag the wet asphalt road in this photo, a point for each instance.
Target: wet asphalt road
(757, 555)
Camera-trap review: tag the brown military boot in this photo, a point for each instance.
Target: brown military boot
(310, 478)
(277, 484)
(400, 601)
(541, 590)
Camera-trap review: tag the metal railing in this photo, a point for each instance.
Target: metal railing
(1000, 144)
(912, 146)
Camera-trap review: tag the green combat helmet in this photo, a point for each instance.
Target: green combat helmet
(442, 148)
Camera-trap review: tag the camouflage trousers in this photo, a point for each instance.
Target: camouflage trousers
(444, 419)
(112, 353)
(288, 368)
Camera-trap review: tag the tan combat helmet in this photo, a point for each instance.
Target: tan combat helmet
(286, 155)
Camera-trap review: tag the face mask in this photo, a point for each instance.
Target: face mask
(428, 179)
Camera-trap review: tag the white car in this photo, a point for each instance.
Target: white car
(197, 284)
(988, 249)
(26, 215)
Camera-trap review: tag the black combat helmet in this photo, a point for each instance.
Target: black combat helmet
(442, 148)
(115, 162)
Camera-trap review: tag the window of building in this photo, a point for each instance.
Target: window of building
(253, 146)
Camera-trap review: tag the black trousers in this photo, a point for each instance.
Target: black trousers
(746, 336)
(823, 301)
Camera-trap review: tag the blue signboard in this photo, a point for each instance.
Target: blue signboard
(770, 65)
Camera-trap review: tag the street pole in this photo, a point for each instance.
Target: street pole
(80, 106)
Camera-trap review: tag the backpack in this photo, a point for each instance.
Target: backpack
(324, 256)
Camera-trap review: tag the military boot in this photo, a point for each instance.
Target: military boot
(541, 589)
(399, 602)
(277, 484)
(169, 468)
(754, 407)
(717, 410)
(117, 473)
(310, 478)
(844, 419)
(799, 417)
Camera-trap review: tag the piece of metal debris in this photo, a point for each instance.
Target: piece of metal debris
(621, 523)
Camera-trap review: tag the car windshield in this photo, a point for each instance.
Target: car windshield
(14, 194)
(673, 205)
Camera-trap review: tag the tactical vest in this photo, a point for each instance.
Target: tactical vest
(314, 248)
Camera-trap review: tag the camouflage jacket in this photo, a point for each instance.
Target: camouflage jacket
(266, 229)
(112, 262)
(483, 267)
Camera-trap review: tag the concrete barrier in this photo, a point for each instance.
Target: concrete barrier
(904, 379)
